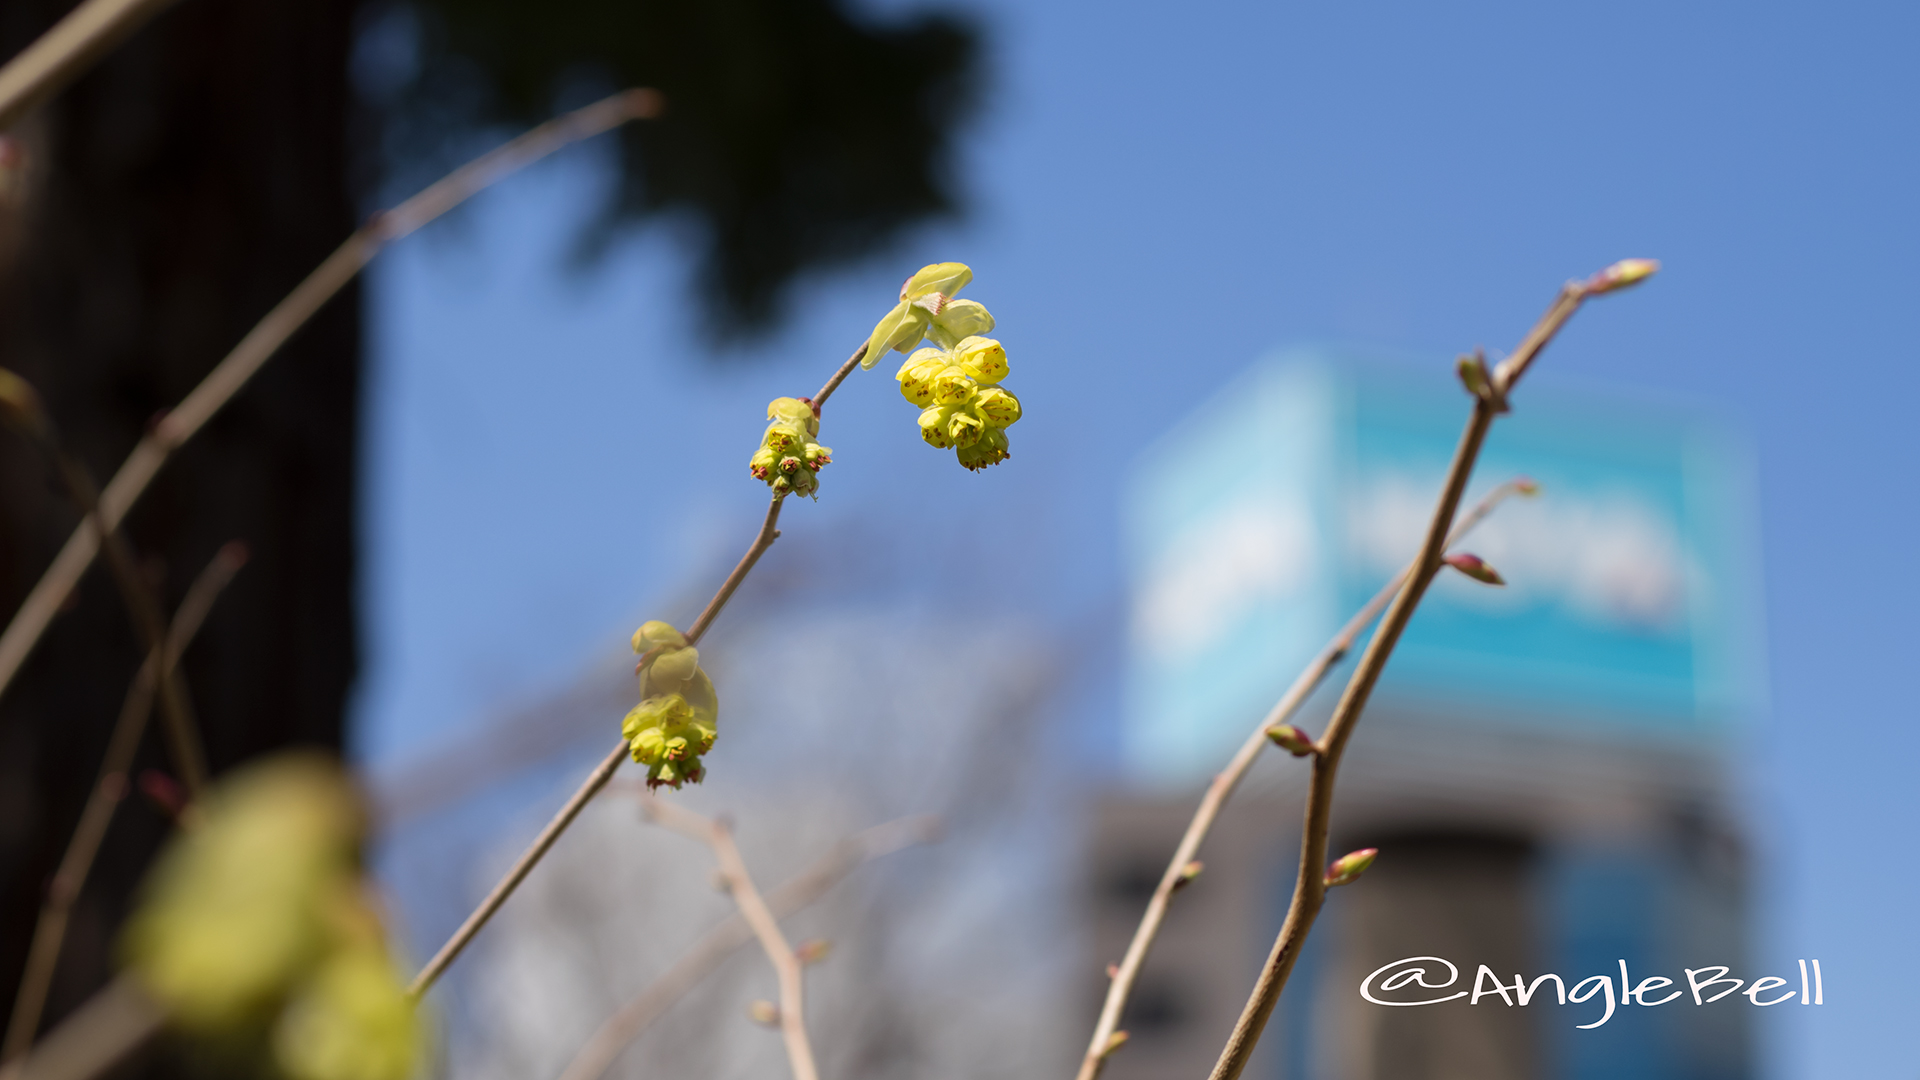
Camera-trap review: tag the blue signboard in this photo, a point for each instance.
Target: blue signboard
(1263, 521)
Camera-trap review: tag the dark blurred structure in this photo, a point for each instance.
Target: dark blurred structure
(173, 194)
(1544, 766)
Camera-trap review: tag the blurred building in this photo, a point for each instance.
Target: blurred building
(1544, 766)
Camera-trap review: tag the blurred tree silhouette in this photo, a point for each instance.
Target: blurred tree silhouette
(796, 135)
(182, 187)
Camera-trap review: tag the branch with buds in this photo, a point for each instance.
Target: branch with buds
(1490, 391)
(1273, 728)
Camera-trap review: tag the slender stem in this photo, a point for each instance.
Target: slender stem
(273, 331)
(455, 944)
(102, 1032)
(620, 1029)
(108, 789)
(598, 778)
(1310, 889)
(733, 870)
(1102, 1046)
(143, 608)
(761, 542)
(840, 376)
(55, 58)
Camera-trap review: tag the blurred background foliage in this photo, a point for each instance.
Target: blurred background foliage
(184, 185)
(796, 136)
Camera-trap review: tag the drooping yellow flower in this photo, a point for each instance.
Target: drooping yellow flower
(789, 459)
(257, 931)
(674, 724)
(963, 405)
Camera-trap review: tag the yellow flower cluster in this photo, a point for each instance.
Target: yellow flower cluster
(257, 929)
(957, 381)
(674, 723)
(789, 459)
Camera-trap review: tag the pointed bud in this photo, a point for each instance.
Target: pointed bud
(1473, 375)
(1525, 486)
(1114, 1042)
(1291, 739)
(764, 1013)
(1475, 567)
(1350, 866)
(163, 791)
(1188, 873)
(1113, 971)
(1620, 275)
(812, 951)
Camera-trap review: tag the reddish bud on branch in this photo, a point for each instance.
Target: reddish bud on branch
(1291, 739)
(1475, 567)
(1350, 866)
(812, 951)
(1620, 275)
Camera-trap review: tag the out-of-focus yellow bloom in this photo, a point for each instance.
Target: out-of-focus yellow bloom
(789, 459)
(674, 724)
(927, 308)
(352, 1021)
(259, 920)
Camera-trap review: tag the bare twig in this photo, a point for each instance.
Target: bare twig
(24, 409)
(620, 1029)
(110, 1025)
(272, 331)
(591, 786)
(1120, 986)
(733, 870)
(108, 789)
(826, 391)
(55, 58)
(1310, 890)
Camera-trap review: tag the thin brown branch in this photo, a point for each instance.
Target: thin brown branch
(786, 966)
(620, 1029)
(826, 391)
(1310, 890)
(458, 942)
(109, 789)
(102, 1032)
(143, 606)
(1127, 972)
(70, 47)
(761, 542)
(273, 331)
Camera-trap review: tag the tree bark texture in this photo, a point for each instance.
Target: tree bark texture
(169, 198)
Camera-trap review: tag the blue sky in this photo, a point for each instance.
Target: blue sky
(1157, 195)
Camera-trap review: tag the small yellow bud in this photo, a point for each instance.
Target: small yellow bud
(982, 358)
(654, 632)
(812, 951)
(788, 458)
(964, 428)
(952, 386)
(997, 406)
(1291, 739)
(764, 1013)
(1189, 873)
(917, 374)
(991, 449)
